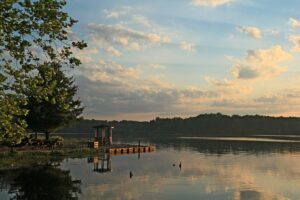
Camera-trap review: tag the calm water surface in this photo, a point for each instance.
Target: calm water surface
(211, 169)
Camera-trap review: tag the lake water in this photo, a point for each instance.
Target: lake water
(211, 169)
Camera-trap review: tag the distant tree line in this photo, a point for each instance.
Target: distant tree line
(36, 95)
(201, 125)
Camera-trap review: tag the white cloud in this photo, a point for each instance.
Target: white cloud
(108, 87)
(285, 102)
(260, 64)
(117, 13)
(166, 39)
(187, 46)
(251, 31)
(134, 46)
(111, 50)
(155, 66)
(71, 35)
(295, 39)
(142, 20)
(294, 22)
(212, 3)
(122, 40)
(109, 71)
(153, 37)
(218, 83)
(273, 32)
(106, 36)
(85, 55)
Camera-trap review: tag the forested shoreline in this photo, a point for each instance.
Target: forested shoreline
(201, 125)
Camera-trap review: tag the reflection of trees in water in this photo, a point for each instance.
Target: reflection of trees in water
(220, 147)
(42, 183)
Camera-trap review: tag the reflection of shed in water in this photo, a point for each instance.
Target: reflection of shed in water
(102, 162)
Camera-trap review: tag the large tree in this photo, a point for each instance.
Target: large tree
(59, 107)
(32, 34)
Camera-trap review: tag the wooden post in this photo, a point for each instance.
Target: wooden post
(103, 135)
(95, 134)
(95, 161)
(110, 136)
(96, 145)
(108, 162)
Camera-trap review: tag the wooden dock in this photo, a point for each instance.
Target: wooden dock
(126, 149)
(133, 149)
(103, 142)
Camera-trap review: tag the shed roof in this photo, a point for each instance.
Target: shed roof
(103, 126)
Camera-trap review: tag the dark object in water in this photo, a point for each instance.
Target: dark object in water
(130, 174)
(180, 165)
(174, 165)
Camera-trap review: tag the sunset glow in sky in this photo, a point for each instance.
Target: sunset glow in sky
(185, 57)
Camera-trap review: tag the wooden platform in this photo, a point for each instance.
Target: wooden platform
(126, 149)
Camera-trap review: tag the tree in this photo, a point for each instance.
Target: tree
(12, 126)
(59, 107)
(44, 182)
(32, 34)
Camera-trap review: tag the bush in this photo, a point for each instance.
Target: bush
(57, 140)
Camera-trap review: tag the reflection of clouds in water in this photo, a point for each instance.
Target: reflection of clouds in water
(256, 195)
(265, 176)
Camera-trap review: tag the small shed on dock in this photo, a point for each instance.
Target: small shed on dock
(103, 134)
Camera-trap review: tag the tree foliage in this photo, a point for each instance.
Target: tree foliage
(12, 126)
(59, 107)
(201, 125)
(33, 34)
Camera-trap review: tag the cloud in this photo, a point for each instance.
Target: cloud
(260, 64)
(295, 39)
(272, 31)
(269, 99)
(153, 37)
(85, 55)
(294, 22)
(117, 13)
(218, 83)
(109, 71)
(111, 50)
(102, 97)
(151, 66)
(251, 31)
(142, 20)
(187, 46)
(108, 88)
(106, 36)
(156, 66)
(283, 102)
(212, 3)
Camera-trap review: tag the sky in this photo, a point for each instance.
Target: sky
(181, 58)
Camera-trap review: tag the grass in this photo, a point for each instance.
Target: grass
(72, 148)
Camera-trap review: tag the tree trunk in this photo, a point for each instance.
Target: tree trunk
(47, 134)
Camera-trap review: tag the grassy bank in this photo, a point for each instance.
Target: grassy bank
(20, 157)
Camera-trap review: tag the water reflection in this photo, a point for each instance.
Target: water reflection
(219, 170)
(101, 162)
(222, 147)
(203, 170)
(40, 182)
